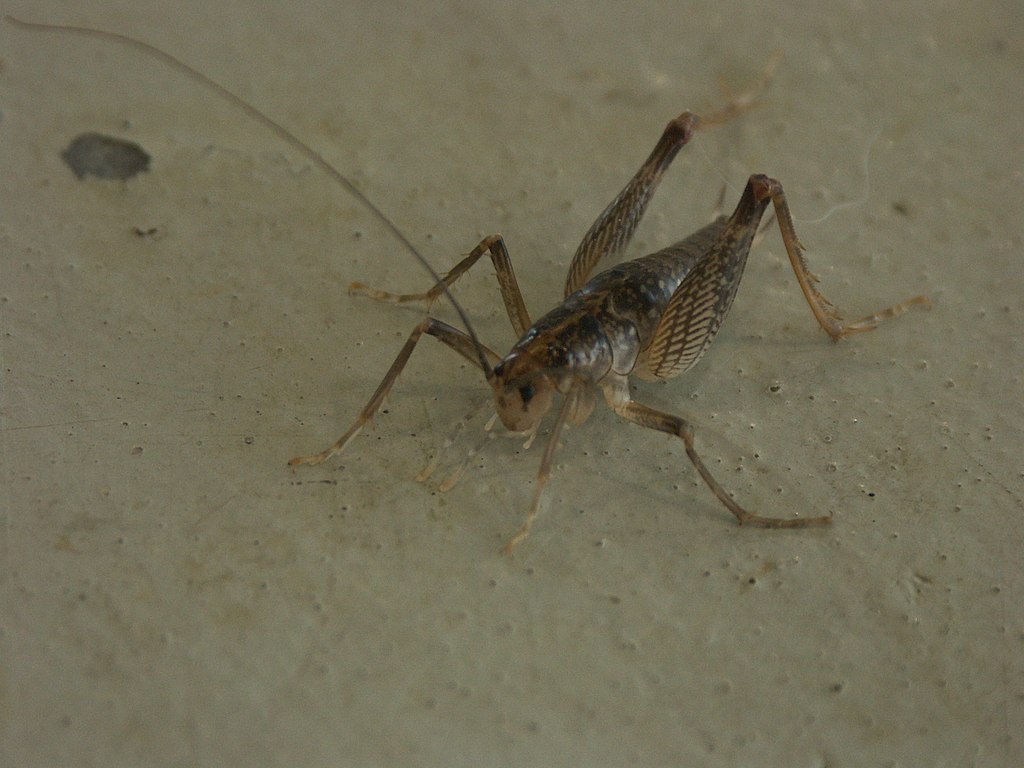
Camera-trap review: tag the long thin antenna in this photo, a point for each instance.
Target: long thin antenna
(282, 133)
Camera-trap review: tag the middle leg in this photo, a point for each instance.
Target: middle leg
(446, 334)
(507, 283)
(618, 398)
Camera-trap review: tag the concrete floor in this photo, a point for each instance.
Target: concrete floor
(173, 595)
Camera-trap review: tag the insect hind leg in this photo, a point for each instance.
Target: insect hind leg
(611, 233)
(825, 313)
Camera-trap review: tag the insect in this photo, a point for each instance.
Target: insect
(652, 317)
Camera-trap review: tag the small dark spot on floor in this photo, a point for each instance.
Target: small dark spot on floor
(152, 233)
(902, 208)
(105, 157)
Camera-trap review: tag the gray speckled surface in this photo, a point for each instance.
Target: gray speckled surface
(172, 595)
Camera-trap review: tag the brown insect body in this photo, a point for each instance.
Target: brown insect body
(653, 316)
(603, 332)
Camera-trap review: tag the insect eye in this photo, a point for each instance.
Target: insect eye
(526, 392)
